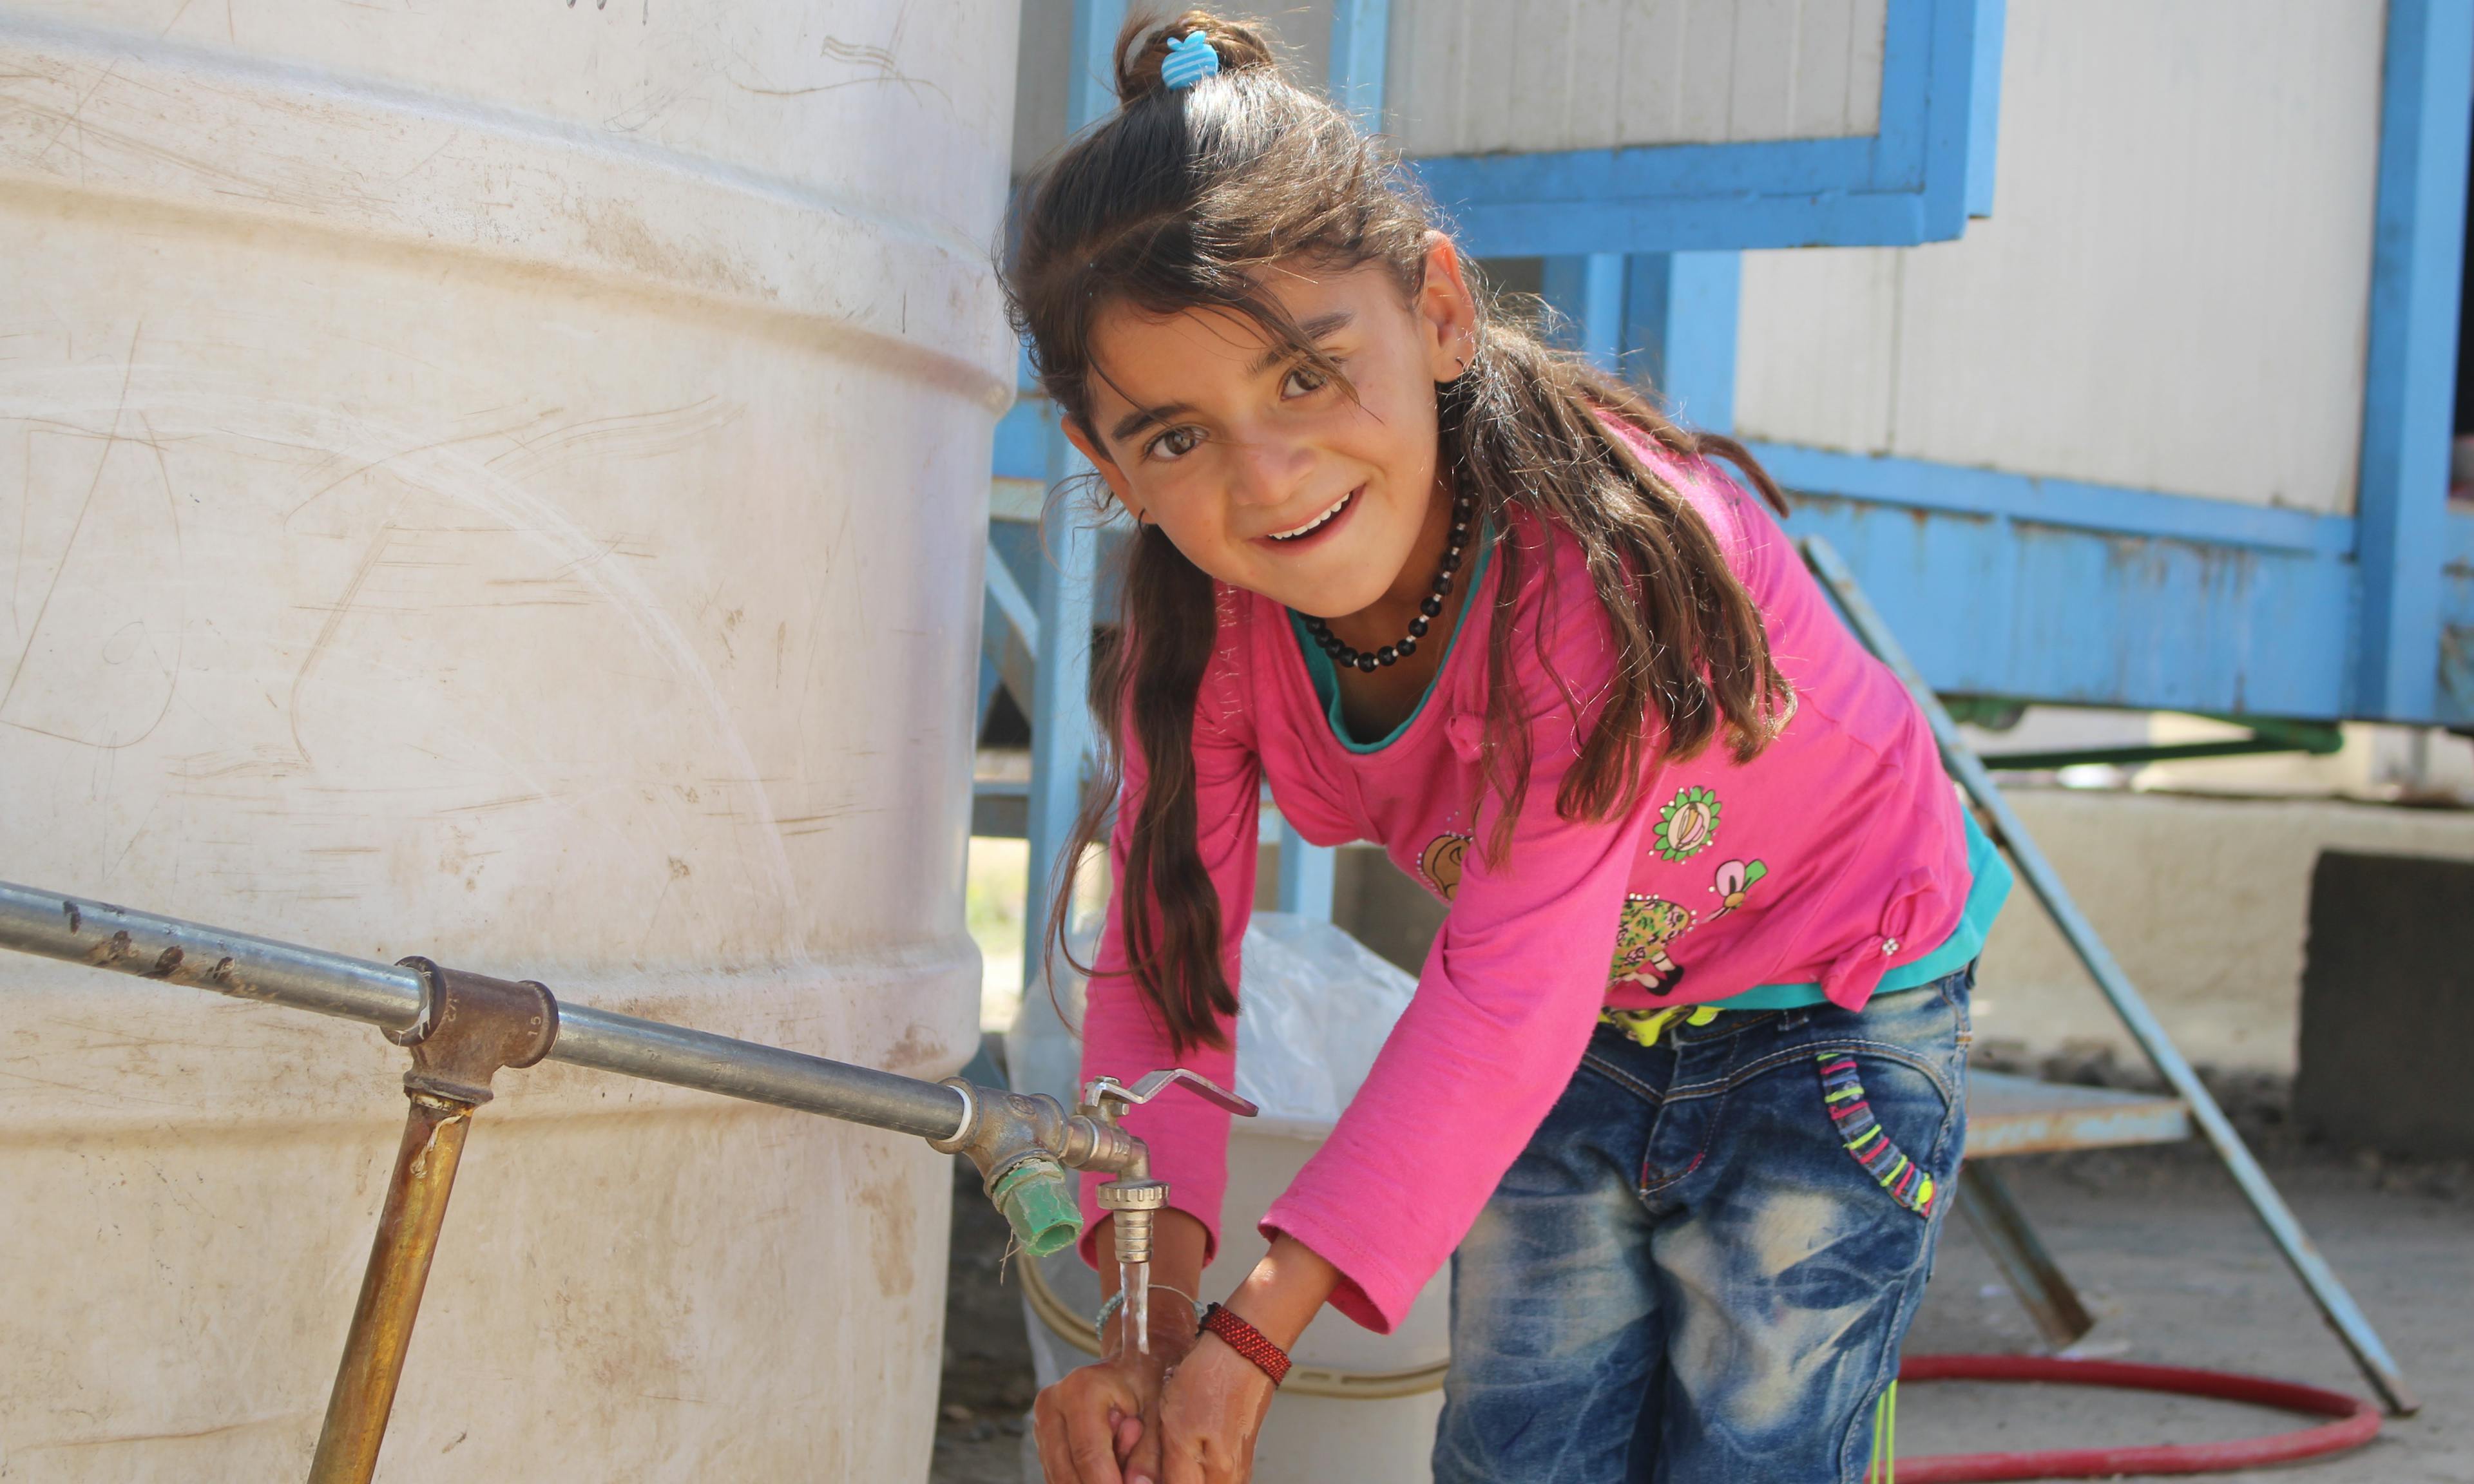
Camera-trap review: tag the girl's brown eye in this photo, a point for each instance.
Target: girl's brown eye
(1175, 443)
(1302, 381)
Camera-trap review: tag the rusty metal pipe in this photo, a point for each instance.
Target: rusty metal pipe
(373, 1351)
(80, 930)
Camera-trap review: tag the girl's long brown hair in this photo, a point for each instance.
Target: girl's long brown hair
(1178, 202)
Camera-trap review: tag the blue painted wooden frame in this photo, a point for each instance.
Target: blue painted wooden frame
(1918, 178)
(2409, 400)
(2057, 591)
(2060, 590)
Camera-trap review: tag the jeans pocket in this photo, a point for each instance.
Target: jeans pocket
(1867, 1142)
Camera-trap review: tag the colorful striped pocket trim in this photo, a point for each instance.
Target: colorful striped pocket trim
(1842, 1093)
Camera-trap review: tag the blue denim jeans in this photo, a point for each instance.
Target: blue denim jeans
(1701, 1268)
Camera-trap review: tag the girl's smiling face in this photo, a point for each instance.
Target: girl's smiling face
(1262, 470)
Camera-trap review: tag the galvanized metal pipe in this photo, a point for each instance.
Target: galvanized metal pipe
(2336, 1305)
(81, 931)
(660, 1052)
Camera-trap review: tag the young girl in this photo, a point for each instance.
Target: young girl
(1680, 1093)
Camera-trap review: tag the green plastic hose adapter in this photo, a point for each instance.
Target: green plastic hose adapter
(1037, 1198)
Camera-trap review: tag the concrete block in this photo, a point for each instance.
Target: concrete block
(2387, 1004)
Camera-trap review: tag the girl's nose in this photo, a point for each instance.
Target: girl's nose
(1268, 473)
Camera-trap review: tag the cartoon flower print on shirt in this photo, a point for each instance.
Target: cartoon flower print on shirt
(1734, 882)
(1688, 825)
(1439, 863)
(1649, 924)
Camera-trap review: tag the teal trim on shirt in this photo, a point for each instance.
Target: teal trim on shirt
(1990, 888)
(1326, 677)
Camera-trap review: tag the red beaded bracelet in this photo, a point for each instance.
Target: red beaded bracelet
(1248, 1341)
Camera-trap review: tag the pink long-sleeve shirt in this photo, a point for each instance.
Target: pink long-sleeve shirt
(1833, 856)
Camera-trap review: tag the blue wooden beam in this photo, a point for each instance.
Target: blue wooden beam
(1060, 718)
(1586, 293)
(1680, 333)
(1985, 106)
(2113, 510)
(2100, 596)
(1992, 605)
(2410, 382)
(1360, 32)
(2455, 702)
(1091, 92)
(1306, 873)
(1060, 715)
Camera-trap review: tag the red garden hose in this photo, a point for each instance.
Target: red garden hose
(2356, 1421)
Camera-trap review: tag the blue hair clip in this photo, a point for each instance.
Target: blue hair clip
(1190, 59)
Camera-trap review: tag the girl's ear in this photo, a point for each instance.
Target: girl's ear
(1447, 310)
(1107, 468)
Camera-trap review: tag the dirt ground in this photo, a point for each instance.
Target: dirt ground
(989, 1386)
(2163, 1249)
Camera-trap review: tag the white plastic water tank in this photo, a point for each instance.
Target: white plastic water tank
(504, 483)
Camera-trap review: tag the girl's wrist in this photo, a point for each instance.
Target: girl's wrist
(1250, 1344)
(1175, 1328)
(1285, 1291)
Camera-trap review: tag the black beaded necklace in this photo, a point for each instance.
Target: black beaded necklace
(1429, 609)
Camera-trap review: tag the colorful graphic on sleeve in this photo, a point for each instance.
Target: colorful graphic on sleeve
(1688, 824)
(1735, 881)
(1649, 924)
(1842, 1093)
(1439, 863)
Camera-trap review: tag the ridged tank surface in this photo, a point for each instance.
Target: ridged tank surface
(502, 482)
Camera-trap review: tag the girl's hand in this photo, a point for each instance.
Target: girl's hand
(1090, 1422)
(1209, 1417)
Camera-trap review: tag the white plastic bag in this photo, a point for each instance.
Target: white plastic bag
(1314, 1006)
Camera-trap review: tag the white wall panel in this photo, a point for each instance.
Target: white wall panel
(1477, 75)
(2173, 291)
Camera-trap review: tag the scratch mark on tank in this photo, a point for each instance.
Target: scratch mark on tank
(326, 632)
(112, 439)
(510, 802)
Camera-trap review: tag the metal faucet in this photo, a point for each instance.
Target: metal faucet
(1024, 1142)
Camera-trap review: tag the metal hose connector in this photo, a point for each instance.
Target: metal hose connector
(1037, 1199)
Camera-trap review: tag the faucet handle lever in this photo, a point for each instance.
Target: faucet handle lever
(1109, 1089)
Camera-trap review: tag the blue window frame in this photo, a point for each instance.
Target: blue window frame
(1918, 178)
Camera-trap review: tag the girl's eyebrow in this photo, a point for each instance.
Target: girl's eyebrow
(1318, 328)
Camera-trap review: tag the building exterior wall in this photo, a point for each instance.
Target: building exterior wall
(2171, 292)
